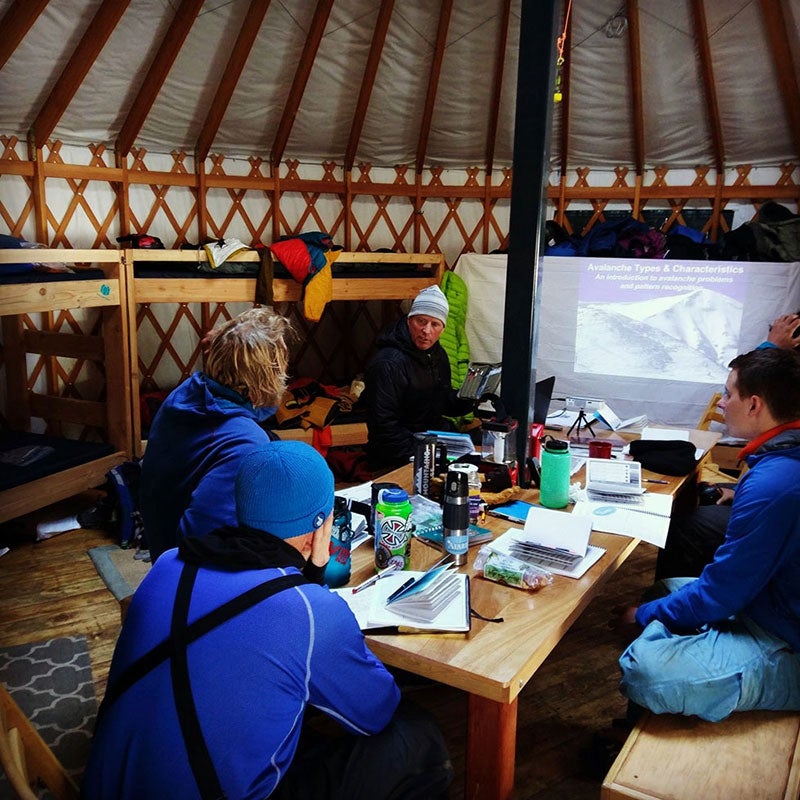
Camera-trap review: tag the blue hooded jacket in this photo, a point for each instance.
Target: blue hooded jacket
(754, 571)
(197, 440)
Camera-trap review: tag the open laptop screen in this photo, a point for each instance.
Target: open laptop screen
(543, 393)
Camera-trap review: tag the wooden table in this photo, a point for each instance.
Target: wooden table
(494, 662)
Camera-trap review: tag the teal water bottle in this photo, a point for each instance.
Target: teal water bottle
(554, 487)
(337, 571)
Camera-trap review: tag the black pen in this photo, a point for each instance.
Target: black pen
(654, 480)
(397, 592)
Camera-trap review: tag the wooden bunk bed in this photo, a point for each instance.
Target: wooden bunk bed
(173, 276)
(34, 353)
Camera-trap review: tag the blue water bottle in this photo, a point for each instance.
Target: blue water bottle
(337, 570)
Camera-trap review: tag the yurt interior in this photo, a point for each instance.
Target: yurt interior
(614, 188)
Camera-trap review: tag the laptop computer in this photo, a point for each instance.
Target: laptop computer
(611, 479)
(543, 394)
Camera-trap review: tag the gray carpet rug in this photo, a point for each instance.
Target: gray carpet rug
(52, 683)
(119, 568)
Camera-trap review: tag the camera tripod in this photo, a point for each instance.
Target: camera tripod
(581, 422)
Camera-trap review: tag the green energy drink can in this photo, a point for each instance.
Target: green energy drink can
(392, 529)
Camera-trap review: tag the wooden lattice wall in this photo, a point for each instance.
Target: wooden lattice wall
(66, 196)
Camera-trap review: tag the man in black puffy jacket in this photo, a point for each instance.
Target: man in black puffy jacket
(408, 382)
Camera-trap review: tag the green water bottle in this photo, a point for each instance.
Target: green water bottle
(392, 529)
(554, 486)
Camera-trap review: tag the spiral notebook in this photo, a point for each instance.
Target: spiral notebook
(647, 519)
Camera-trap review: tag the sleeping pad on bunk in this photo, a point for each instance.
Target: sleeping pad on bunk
(26, 457)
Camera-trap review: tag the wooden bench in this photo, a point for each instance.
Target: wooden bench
(755, 754)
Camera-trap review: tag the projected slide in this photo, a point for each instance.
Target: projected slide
(651, 319)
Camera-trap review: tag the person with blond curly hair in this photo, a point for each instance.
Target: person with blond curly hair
(208, 424)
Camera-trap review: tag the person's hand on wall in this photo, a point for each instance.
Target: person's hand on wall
(785, 331)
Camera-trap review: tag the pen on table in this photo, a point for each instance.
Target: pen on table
(369, 581)
(654, 480)
(397, 592)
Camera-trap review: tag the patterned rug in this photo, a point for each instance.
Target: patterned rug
(52, 683)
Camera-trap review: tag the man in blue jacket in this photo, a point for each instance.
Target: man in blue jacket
(694, 538)
(207, 424)
(225, 645)
(729, 640)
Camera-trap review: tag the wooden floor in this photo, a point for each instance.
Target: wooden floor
(51, 588)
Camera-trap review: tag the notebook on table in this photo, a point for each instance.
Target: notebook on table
(434, 600)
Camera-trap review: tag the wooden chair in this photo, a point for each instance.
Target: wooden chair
(26, 759)
(711, 414)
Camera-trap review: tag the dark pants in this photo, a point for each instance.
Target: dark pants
(407, 760)
(692, 541)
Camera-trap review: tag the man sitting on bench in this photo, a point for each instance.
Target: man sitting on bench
(729, 640)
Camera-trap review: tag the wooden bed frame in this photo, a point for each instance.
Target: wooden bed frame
(233, 288)
(110, 347)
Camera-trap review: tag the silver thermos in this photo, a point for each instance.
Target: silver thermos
(455, 515)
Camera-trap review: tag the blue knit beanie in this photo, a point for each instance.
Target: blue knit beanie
(284, 488)
(432, 303)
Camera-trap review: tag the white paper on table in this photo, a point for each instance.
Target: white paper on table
(648, 520)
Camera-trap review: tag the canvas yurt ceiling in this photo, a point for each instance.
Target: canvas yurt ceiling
(674, 83)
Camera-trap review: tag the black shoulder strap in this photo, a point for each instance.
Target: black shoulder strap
(161, 652)
(175, 648)
(205, 774)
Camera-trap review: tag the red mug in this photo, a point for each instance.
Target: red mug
(599, 448)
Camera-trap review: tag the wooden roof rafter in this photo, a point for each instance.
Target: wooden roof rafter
(368, 81)
(775, 23)
(497, 87)
(635, 58)
(168, 51)
(301, 75)
(80, 62)
(245, 40)
(16, 22)
(433, 83)
(709, 85)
